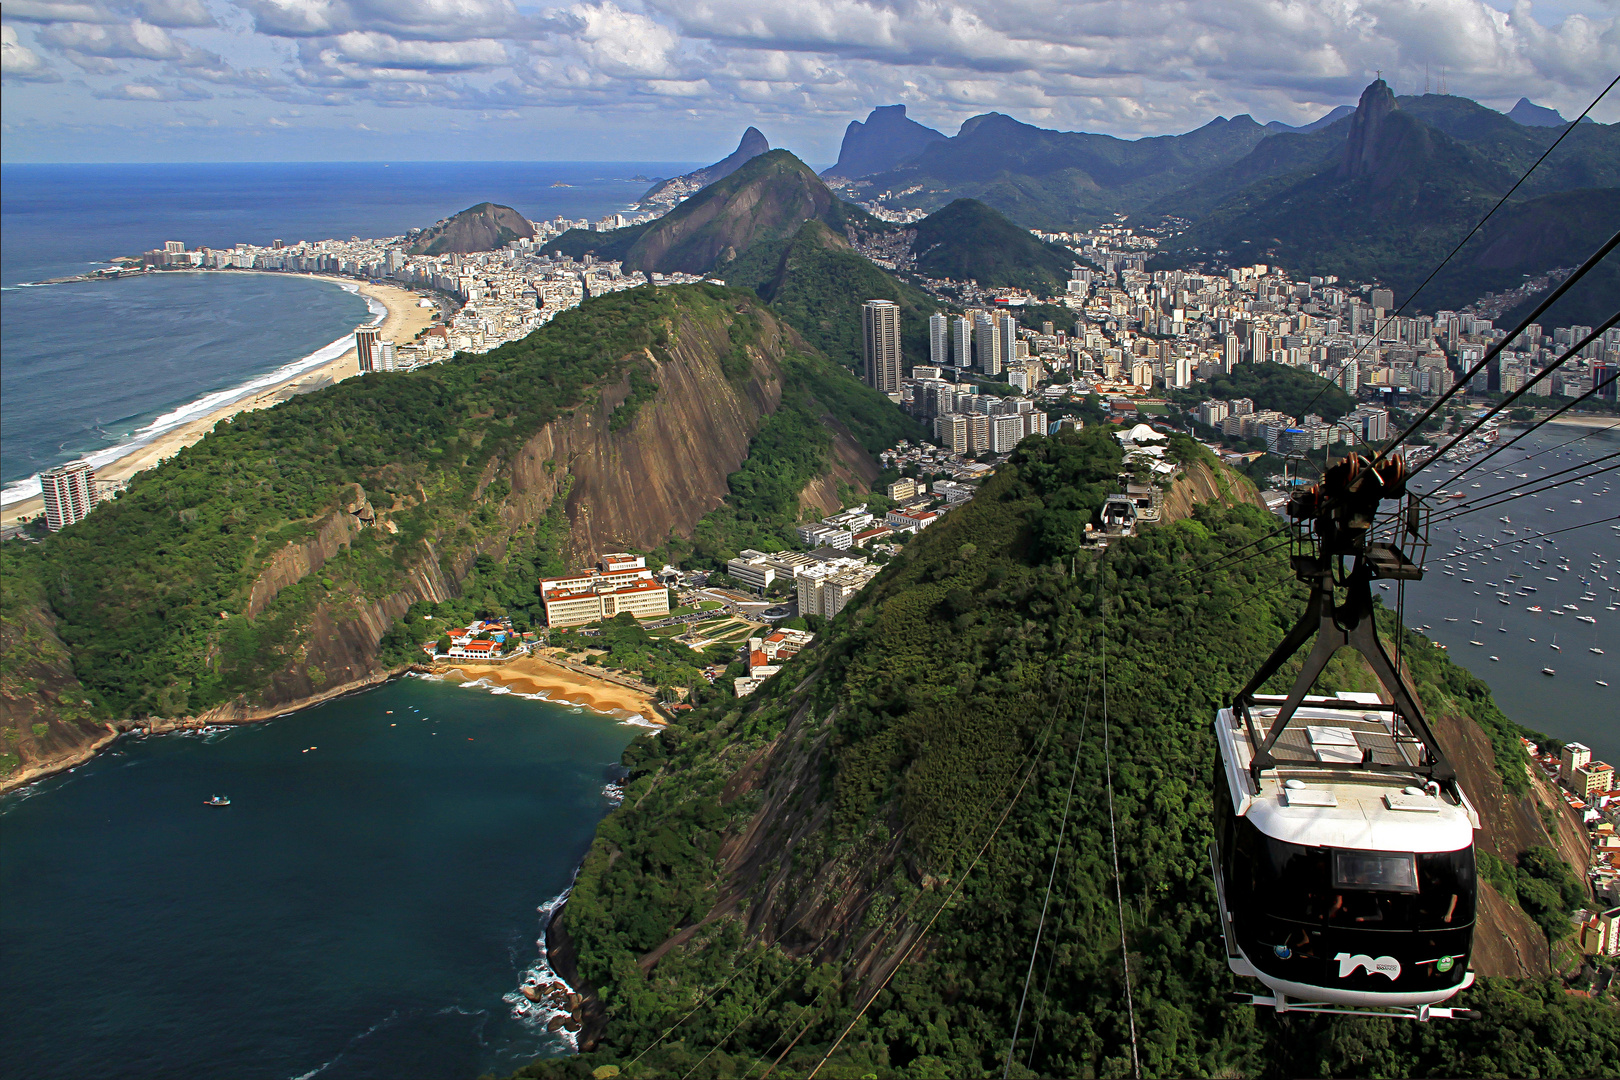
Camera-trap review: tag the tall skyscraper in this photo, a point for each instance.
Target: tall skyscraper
(1007, 338)
(385, 356)
(962, 341)
(365, 347)
(987, 343)
(70, 493)
(1229, 353)
(880, 332)
(939, 339)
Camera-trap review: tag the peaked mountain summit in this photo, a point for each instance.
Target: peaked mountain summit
(768, 198)
(484, 227)
(1530, 114)
(752, 145)
(887, 139)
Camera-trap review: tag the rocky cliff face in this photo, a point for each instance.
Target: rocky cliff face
(888, 138)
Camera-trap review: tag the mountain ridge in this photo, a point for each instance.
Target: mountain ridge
(752, 144)
(484, 227)
(888, 138)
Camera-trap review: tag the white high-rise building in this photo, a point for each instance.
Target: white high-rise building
(939, 339)
(70, 493)
(1230, 353)
(1007, 338)
(385, 356)
(962, 341)
(880, 327)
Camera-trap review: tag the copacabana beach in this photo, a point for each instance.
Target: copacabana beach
(398, 313)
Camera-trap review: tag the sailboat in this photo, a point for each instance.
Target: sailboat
(1476, 618)
(1554, 646)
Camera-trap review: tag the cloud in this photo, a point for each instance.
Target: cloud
(377, 50)
(154, 90)
(17, 61)
(420, 20)
(49, 11)
(134, 41)
(176, 14)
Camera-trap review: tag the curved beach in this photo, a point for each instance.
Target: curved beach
(403, 321)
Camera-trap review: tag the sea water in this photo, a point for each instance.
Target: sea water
(93, 368)
(367, 906)
(1515, 643)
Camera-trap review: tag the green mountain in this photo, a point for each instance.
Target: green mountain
(1056, 180)
(752, 144)
(816, 281)
(969, 240)
(1387, 193)
(484, 227)
(766, 199)
(863, 846)
(293, 552)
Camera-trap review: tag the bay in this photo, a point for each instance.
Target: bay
(84, 366)
(1569, 704)
(364, 907)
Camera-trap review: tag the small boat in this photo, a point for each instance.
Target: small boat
(1548, 671)
(1494, 658)
(1476, 643)
(217, 800)
(1595, 649)
(1587, 619)
(1450, 620)
(1534, 607)
(1600, 682)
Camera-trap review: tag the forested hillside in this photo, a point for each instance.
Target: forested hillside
(905, 781)
(267, 563)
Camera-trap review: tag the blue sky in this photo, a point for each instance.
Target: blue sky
(196, 80)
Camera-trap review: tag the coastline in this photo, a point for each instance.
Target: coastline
(403, 320)
(1587, 421)
(534, 675)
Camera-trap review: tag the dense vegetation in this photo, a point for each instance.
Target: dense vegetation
(151, 592)
(1275, 386)
(817, 282)
(990, 651)
(969, 240)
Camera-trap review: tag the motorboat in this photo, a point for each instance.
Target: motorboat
(217, 800)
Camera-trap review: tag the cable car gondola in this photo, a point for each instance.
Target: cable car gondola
(1344, 847)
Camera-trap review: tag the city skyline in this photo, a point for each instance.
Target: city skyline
(130, 80)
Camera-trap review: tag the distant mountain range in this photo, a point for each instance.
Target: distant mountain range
(887, 139)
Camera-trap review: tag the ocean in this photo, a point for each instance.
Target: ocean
(91, 369)
(1460, 600)
(366, 907)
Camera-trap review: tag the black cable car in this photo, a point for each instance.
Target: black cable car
(1343, 855)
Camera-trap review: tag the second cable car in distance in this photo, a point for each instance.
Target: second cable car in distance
(1344, 847)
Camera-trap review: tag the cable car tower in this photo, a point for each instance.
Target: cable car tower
(1344, 847)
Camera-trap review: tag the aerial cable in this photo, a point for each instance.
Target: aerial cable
(1113, 834)
(957, 888)
(1490, 354)
(1378, 331)
(1497, 498)
(1525, 389)
(1034, 949)
(1560, 411)
(1537, 491)
(1213, 563)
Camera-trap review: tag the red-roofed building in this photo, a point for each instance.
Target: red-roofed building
(474, 650)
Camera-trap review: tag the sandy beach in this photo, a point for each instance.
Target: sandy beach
(1587, 421)
(533, 675)
(405, 319)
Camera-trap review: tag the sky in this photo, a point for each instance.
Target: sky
(651, 80)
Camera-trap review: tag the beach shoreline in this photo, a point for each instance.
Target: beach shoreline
(535, 675)
(404, 319)
(1587, 421)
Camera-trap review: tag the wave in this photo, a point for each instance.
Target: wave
(543, 981)
(19, 490)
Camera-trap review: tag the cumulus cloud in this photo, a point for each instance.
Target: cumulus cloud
(17, 61)
(176, 14)
(1129, 67)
